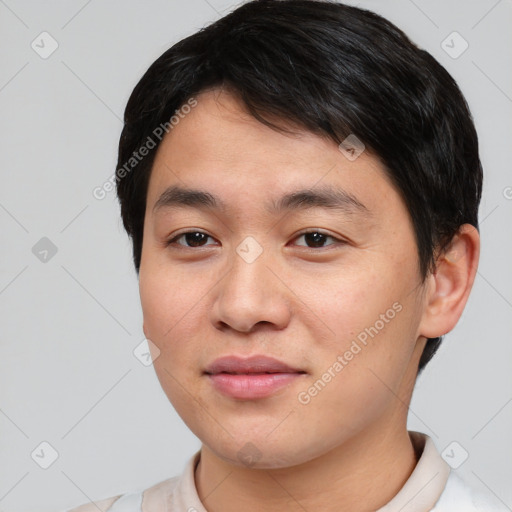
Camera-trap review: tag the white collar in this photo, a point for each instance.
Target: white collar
(423, 488)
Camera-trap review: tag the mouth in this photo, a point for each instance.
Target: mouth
(236, 365)
(251, 378)
(250, 373)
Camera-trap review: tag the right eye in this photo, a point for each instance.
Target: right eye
(191, 239)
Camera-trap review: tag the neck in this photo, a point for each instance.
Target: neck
(363, 474)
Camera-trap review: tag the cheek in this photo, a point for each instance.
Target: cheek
(344, 398)
(173, 306)
(156, 296)
(168, 315)
(167, 295)
(372, 323)
(350, 304)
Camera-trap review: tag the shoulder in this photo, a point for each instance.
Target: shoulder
(458, 496)
(131, 501)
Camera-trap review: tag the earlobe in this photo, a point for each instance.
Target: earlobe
(449, 286)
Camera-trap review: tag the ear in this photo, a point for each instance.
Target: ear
(449, 286)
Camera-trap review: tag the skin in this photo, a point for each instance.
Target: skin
(302, 305)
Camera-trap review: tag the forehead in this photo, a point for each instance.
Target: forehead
(219, 147)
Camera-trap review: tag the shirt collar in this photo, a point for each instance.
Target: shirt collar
(427, 481)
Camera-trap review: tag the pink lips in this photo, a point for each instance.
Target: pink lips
(250, 378)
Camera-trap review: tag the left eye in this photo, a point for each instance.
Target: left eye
(315, 239)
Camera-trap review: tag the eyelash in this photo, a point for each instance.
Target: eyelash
(339, 241)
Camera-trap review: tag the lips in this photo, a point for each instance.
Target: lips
(251, 378)
(252, 365)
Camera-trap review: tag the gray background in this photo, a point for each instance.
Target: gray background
(70, 324)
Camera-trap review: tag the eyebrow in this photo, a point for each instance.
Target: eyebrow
(321, 197)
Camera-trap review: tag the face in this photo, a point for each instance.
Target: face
(289, 249)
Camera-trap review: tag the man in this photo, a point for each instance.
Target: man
(301, 185)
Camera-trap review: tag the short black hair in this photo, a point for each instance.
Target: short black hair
(333, 70)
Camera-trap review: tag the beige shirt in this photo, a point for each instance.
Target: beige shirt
(431, 487)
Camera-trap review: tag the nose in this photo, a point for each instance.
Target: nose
(252, 293)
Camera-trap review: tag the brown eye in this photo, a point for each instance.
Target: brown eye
(315, 239)
(191, 239)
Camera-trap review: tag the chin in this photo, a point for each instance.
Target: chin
(260, 452)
